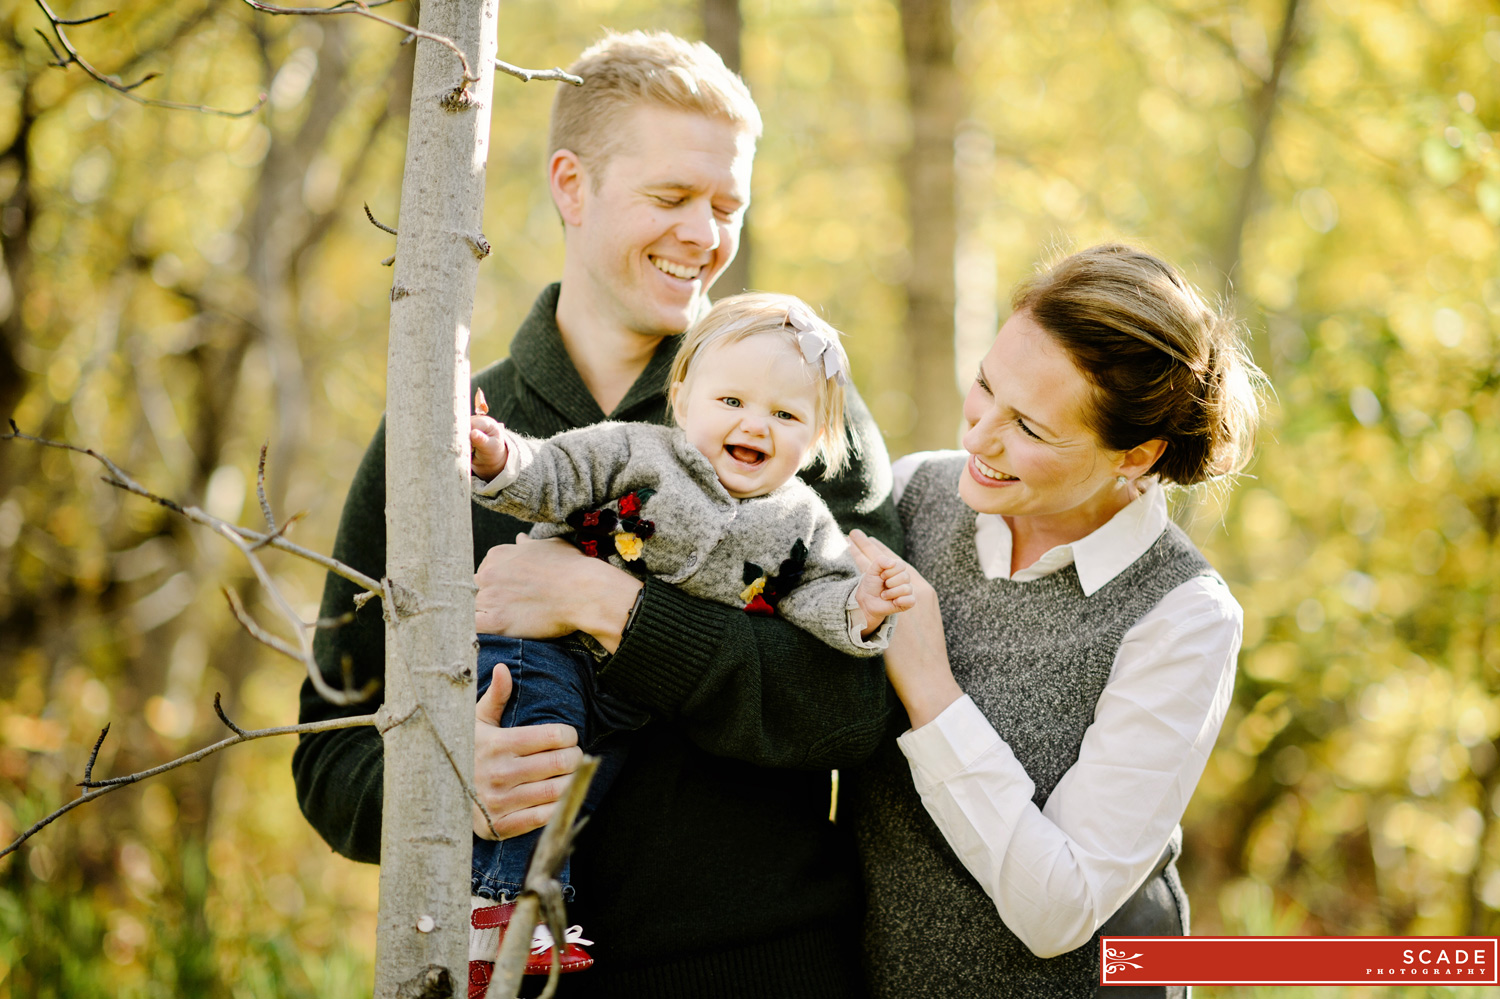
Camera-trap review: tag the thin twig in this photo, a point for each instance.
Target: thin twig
(363, 10)
(527, 75)
(467, 785)
(219, 710)
(542, 893)
(260, 489)
(377, 223)
(88, 770)
(256, 631)
(72, 58)
(98, 789)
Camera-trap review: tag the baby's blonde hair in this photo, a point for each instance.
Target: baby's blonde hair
(759, 312)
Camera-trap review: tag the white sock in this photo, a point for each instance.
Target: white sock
(484, 945)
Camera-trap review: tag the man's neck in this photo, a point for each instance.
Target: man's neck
(609, 359)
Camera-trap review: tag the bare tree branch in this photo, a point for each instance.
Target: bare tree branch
(72, 58)
(557, 73)
(97, 789)
(122, 481)
(543, 895)
(218, 710)
(363, 10)
(248, 542)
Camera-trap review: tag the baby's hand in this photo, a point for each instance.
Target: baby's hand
(486, 441)
(886, 586)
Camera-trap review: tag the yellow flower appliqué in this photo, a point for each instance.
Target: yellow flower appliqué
(629, 546)
(752, 591)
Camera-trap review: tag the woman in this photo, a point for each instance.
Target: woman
(1071, 655)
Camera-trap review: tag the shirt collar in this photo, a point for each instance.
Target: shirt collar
(543, 362)
(1100, 556)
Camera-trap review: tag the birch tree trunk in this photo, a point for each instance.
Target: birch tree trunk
(936, 100)
(425, 841)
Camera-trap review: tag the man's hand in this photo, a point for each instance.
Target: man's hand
(548, 589)
(519, 773)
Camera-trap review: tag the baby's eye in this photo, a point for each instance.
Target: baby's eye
(730, 401)
(782, 414)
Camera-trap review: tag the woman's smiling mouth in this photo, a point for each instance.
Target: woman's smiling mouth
(988, 473)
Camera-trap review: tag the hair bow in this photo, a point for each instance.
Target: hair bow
(818, 348)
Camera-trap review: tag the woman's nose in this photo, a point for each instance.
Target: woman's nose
(981, 438)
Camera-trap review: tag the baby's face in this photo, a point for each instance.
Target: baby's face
(751, 407)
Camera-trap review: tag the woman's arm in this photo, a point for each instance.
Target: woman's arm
(1057, 873)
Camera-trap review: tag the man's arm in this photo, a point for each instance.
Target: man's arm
(741, 685)
(757, 688)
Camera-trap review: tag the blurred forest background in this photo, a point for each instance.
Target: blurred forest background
(177, 288)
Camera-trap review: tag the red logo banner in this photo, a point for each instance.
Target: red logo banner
(1299, 960)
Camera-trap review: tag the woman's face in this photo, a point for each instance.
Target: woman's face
(1030, 452)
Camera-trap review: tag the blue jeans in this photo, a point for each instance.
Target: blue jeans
(550, 682)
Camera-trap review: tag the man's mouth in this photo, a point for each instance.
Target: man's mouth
(742, 453)
(682, 271)
(990, 473)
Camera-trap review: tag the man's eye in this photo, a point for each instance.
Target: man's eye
(667, 202)
(984, 386)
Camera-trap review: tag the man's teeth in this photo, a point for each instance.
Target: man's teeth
(676, 270)
(990, 473)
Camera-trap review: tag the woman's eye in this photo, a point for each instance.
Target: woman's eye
(1029, 432)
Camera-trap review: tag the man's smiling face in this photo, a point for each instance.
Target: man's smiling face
(663, 220)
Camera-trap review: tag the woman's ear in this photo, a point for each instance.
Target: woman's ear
(1140, 459)
(569, 182)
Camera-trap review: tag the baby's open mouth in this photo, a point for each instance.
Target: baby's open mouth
(748, 455)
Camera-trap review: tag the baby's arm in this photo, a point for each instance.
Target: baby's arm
(885, 585)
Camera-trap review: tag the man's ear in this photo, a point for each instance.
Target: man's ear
(569, 183)
(1139, 459)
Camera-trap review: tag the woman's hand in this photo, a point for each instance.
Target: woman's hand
(917, 661)
(548, 589)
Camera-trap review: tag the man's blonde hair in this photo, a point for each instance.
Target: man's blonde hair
(758, 313)
(625, 71)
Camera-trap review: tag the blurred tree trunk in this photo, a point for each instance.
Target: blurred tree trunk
(425, 838)
(1262, 110)
(15, 223)
(936, 99)
(722, 28)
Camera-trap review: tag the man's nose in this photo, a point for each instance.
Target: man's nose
(699, 227)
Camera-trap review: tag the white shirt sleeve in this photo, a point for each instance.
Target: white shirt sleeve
(1056, 874)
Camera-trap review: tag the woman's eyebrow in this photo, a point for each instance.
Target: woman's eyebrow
(1035, 423)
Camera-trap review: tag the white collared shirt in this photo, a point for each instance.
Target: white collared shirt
(1057, 873)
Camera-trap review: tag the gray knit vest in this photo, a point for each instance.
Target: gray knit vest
(1035, 657)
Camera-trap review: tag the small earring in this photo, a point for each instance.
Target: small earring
(1120, 480)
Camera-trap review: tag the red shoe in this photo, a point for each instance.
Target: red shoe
(574, 957)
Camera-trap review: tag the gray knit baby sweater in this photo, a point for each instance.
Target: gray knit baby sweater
(1034, 656)
(703, 537)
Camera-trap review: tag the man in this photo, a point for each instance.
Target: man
(711, 867)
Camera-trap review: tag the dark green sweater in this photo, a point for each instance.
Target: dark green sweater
(711, 867)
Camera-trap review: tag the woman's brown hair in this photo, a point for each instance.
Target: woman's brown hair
(1162, 363)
